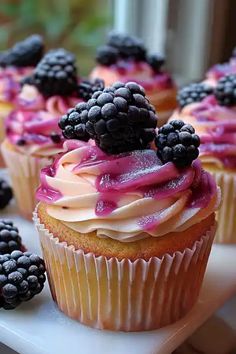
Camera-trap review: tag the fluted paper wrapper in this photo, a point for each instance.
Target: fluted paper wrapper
(226, 215)
(4, 111)
(123, 295)
(24, 171)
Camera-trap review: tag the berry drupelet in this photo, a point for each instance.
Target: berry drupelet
(25, 53)
(225, 91)
(119, 119)
(22, 276)
(56, 74)
(87, 88)
(10, 239)
(195, 92)
(5, 193)
(177, 142)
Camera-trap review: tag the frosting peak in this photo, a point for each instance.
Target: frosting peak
(127, 196)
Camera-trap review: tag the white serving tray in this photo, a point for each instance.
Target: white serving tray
(38, 327)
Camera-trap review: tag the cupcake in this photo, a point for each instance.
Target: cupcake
(125, 232)
(124, 59)
(217, 71)
(212, 112)
(15, 64)
(32, 133)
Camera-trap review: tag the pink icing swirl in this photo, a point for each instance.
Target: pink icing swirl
(10, 78)
(126, 197)
(140, 72)
(216, 126)
(30, 126)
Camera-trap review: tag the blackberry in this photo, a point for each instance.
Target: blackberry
(10, 239)
(127, 46)
(195, 92)
(107, 55)
(177, 142)
(56, 74)
(119, 118)
(25, 53)
(22, 276)
(156, 61)
(225, 91)
(5, 193)
(72, 124)
(87, 88)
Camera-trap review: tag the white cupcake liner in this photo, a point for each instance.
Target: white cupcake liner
(123, 295)
(24, 171)
(226, 215)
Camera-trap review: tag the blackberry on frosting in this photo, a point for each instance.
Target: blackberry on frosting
(73, 123)
(25, 53)
(56, 74)
(177, 142)
(86, 88)
(225, 91)
(119, 119)
(123, 46)
(156, 61)
(195, 92)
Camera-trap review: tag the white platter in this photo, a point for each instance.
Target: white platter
(39, 327)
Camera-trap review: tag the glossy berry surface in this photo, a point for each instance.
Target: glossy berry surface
(195, 92)
(225, 91)
(22, 276)
(177, 142)
(156, 61)
(25, 53)
(5, 193)
(56, 74)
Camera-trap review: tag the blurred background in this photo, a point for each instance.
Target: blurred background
(193, 34)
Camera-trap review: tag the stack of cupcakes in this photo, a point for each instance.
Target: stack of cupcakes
(126, 229)
(124, 59)
(32, 133)
(15, 64)
(212, 111)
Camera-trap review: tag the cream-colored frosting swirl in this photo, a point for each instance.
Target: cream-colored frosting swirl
(126, 197)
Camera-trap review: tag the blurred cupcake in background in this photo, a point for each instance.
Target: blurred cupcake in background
(15, 64)
(219, 70)
(125, 230)
(32, 133)
(124, 58)
(212, 112)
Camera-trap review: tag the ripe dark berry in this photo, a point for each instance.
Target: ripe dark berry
(5, 193)
(127, 46)
(107, 55)
(225, 91)
(156, 61)
(73, 123)
(56, 74)
(177, 142)
(87, 88)
(121, 119)
(22, 276)
(25, 53)
(10, 239)
(193, 93)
